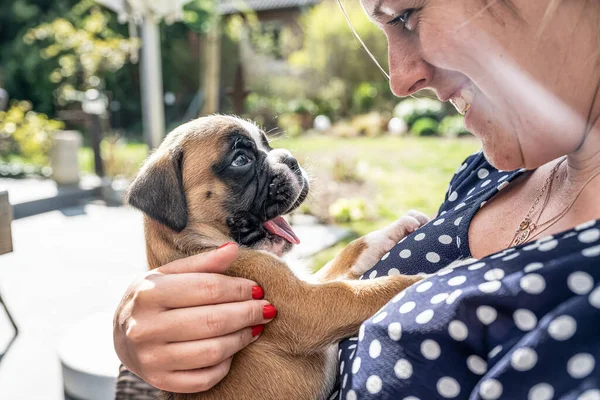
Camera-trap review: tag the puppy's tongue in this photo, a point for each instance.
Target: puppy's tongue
(279, 226)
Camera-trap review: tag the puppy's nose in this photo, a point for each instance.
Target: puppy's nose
(291, 162)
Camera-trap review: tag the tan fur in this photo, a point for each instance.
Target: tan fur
(292, 359)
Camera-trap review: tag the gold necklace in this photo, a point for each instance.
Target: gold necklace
(527, 225)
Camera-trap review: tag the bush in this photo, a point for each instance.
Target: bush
(371, 125)
(453, 126)
(348, 210)
(346, 170)
(425, 127)
(410, 110)
(26, 136)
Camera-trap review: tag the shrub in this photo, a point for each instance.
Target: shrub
(453, 126)
(26, 136)
(410, 110)
(348, 210)
(425, 127)
(370, 125)
(346, 170)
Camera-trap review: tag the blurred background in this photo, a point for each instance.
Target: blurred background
(88, 87)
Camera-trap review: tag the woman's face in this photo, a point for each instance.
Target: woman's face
(528, 89)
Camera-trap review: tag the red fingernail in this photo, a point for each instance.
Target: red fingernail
(257, 330)
(257, 292)
(224, 245)
(269, 311)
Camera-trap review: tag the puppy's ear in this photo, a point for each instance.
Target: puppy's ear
(157, 190)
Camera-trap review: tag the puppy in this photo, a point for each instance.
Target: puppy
(216, 179)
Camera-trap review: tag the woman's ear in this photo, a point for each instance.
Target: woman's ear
(158, 191)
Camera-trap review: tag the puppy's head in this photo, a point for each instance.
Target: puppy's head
(219, 172)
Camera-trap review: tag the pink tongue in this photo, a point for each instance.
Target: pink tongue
(279, 226)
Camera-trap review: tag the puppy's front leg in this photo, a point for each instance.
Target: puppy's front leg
(363, 253)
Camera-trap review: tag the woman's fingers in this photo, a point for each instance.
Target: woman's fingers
(213, 261)
(191, 381)
(195, 323)
(191, 290)
(204, 353)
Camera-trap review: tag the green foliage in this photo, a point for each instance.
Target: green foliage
(346, 170)
(411, 109)
(425, 127)
(26, 136)
(349, 210)
(453, 126)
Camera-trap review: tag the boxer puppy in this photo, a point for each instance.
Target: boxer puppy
(216, 179)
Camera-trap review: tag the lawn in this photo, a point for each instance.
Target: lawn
(389, 174)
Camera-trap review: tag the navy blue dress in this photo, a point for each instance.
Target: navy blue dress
(520, 324)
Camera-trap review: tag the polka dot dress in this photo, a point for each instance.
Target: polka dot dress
(520, 324)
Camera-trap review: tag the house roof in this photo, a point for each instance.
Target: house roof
(226, 7)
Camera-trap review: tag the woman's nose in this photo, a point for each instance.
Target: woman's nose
(409, 73)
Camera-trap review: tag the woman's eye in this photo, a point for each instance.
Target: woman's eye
(241, 160)
(402, 18)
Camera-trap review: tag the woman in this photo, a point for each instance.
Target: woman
(521, 322)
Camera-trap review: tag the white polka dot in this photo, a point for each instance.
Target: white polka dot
(342, 364)
(493, 274)
(510, 257)
(484, 184)
(562, 328)
(458, 242)
(345, 381)
(438, 298)
(445, 239)
(453, 296)
(498, 255)
(351, 395)
(448, 387)
(502, 185)
(486, 314)
(490, 389)
(502, 178)
(356, 365)
(375, 349)
(373, 274)
(420, 237)
(476, 266)
(585, 225)
(395, 331)
(407, 307)
(461, 205)
(477, 365)
(361, 333)
(471, 191)
(445, 271)
(462, 168)
(424, 317)
(533, 267)
(580, 365)
(386, 255)
(430, 349)
(531, 246)
(424, 286)
(541, 391)
(524, 319)
(374, 384)
(411, 398)
(533, 283)
(495, 351)
(580, 282)
(589, 236)
(458, 330)
(547, 246)
(403, 369)
(379, 317)
(489, 287)
(591, 251)
(457, 221)
(438, 221)
(457, 280)
(591, 394)
(594, 298)
(483, 173)
(393, 272)
(523, 359)
(433, 257)
(453, 196)
(405, 253)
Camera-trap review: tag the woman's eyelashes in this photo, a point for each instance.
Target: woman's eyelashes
(404, 19)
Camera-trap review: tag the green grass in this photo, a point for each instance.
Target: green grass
(128, 158)
(408, 173)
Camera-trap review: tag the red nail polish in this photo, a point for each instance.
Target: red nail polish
(224, 245)
(269, 311)
(257, 292)
(257, 330)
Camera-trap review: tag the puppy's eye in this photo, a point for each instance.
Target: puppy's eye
(240, 160)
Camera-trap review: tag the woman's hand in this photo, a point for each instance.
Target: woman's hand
(179, 326)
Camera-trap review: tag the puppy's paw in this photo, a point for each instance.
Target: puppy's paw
(404, 226)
